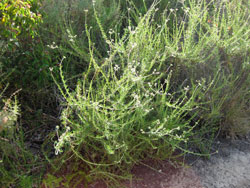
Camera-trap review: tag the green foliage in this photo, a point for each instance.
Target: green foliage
(8, 110)
(64, 26)
(214, 48)
(122, 110)
(16, 162)
(19, 21)
(52, 181)
(18, 165)
(17, 17)
(8, 117)
(72, 179)
(26, 181)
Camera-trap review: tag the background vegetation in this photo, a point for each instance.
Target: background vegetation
(103, 85)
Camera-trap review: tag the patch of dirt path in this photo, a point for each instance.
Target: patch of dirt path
(164, 175)
(230, 168)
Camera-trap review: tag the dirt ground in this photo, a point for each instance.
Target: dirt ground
(230, 168)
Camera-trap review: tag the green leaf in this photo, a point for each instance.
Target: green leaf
(109, 149)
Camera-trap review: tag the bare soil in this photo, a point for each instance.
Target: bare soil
(229, 168)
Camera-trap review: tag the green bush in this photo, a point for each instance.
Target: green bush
(17, 163)
(18, 17)
(19, 22)
(214, 47)
(64, 27)
(123, 110)
(8, 116)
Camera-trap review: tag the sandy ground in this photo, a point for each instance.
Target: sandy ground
(230, 168)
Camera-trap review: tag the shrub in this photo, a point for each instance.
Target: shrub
(16, 162)
(214, 47)
(18, 23)
(64, 26)
(18, 17)
(8, 117)
(123, 109)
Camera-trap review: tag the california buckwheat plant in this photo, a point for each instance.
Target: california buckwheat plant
(123, 110)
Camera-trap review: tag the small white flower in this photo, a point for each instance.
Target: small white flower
(133, 70)
(53, 45)
(186, 88)
(116, 68)
(133, 45)
(158, 122)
